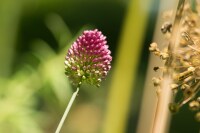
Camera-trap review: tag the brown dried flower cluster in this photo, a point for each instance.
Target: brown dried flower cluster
(185, 60)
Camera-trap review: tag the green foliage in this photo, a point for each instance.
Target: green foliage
(33, 92)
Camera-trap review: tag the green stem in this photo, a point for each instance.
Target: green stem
(67, 110)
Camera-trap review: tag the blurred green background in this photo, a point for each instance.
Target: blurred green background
(34, 38)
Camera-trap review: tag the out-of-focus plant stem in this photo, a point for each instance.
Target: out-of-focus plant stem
(125, 67)
(10, 14)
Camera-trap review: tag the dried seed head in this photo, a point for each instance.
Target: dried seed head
(182, 58)
(164, 55)
(88, 60)
(156, 81)
(188, 92)
(191, 69)
(153, 47)
(197, 116)
(194, 105)
(174, 86)
(184, 86)
(198, 99)
(174, 107)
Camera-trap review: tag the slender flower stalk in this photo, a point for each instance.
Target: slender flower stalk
(67, 111)
(88, 60)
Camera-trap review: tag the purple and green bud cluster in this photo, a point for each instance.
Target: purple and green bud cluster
(88, 60)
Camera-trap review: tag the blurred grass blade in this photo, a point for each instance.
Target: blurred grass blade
(149, 101)
(125, 69)
(59, 29)
(9, 19)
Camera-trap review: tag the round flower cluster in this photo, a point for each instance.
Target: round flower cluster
(88, 60)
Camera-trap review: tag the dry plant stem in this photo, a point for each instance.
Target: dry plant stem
(67, 111)
(164, 97)
(162, 112)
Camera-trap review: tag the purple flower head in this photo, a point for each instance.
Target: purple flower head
(88, 60)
